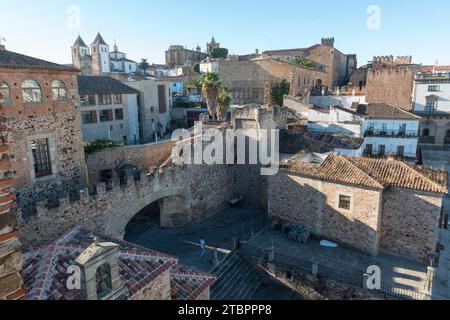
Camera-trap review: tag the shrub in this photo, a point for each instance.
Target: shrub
(92, 147)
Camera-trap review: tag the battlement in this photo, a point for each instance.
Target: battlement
(391, 61)
(328, 42)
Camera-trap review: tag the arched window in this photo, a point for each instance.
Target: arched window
(5, 93)
(31, 91)
(103, 280)
(59, 91)
(426, 132)
(431, 104)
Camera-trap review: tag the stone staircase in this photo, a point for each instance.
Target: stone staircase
(237, 279)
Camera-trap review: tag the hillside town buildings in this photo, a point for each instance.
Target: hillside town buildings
(350, 143)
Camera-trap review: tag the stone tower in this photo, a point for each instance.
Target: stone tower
(79, 51)
(100, 56)
(212, 45)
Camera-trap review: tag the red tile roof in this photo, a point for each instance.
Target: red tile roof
(45, 269)
(373, 173)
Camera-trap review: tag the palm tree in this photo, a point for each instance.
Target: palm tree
(144, 65)
(210, 88)
(223, 102)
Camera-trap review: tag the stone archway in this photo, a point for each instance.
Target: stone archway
(174, 206)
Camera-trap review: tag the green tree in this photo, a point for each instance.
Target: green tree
(223, 102)
(144, 65)
(92, 147)
(279, 91)
(211, 88)
(197, 68)
(303, 62)
(220, 53)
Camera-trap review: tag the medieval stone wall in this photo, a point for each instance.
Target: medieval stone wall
(10, 255)
(391, 85)
(144, 156)
(410, 223)
(59, 122)
(313, 204)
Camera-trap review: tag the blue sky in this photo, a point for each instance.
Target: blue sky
(145, 28)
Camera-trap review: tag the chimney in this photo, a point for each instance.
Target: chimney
(99, 266)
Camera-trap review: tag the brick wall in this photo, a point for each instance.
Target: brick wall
(410, 223)
(57, 121)
(313, 204)
(10, 255)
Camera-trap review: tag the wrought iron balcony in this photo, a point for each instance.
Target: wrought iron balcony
(391, 133)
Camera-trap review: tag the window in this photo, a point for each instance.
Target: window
(88, 100)
(59, 91)
(402, 129)
(5, 93)
(88, 117)
(118, 113)
(152, 109)
(426, 132)
(41, 157)
(369, 149)
(433, 88)
(117, 99)
(384, 128)
(381, 150)
(106, 115)
(104, 99)
(31, 91)
(400, 151)
(431, 104)
(345, 202)
(103, 280)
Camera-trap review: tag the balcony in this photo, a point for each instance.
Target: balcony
(427, 140)
(391, 134)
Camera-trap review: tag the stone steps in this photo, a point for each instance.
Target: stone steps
(237, 279)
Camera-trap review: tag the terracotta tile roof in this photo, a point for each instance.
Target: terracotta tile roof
(336, 140)
(45, 277)
(435, 68)
(372, 173)
(13, 60)
(189, 282)
(380, 111)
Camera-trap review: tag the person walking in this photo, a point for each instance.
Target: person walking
(202, 246)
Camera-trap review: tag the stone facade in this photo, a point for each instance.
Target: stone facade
(395, 220)
(180, 56)
(393, 85)
(313, 204)
(158, 289)
(57, 121)
(336, 65)
(253, 81)
(410, 223)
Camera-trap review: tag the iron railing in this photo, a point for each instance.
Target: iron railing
(355, 277)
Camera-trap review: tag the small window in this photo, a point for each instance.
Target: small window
(345, 202)
(426, 132)
(103, 280)
(104, 99)
(59, 91)
(118, 114)
(41, 157)
(106, 115)
(88, 100)
(431, 104)
(31, 91)
(381, 150)
(433, 88)
(369, 149)
(117, 99)
(89, 117)
(5, 93)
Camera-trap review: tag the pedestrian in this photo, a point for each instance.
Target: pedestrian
(202, 246)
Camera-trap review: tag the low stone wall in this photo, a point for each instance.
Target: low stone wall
(145, 156)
